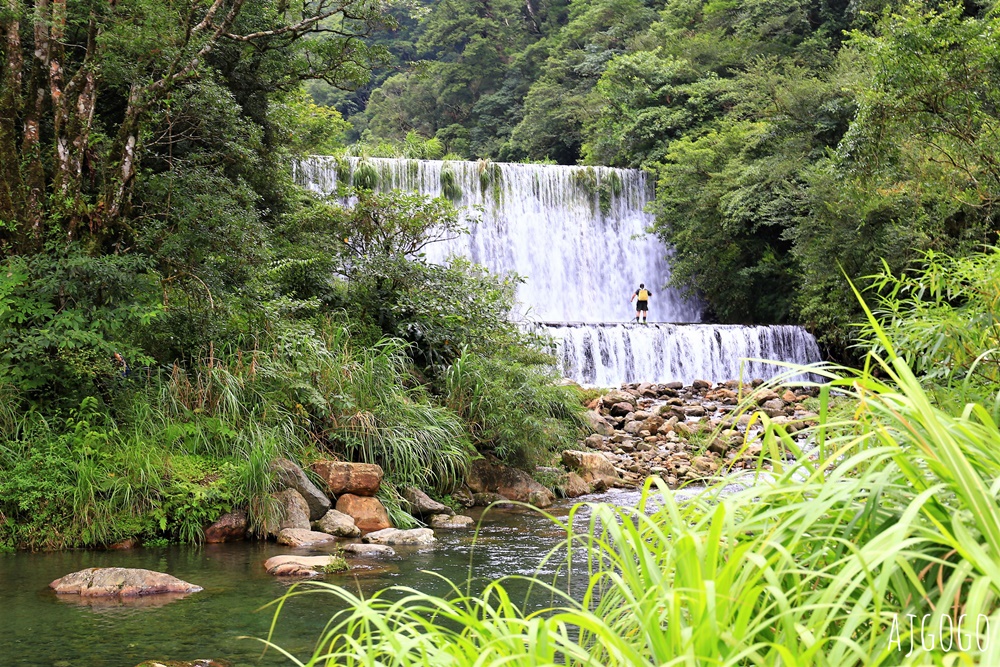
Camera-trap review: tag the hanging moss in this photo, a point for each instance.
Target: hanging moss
(343, 169)
(365, 176)
(490, 178)
(586, 180)
(608, 190)
(449, 184)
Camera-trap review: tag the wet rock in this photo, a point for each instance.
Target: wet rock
(368, 513)
(616, 396)
(293, 512)
(454, 521)
(774, 407)
(120, 582)
(358, 479)
(597, 423)
(621, 409)
(420, 504)
(289, 565)
(395, 536)
(291, 476)
(463, 496)
(647, 390)
(489, 476)
(337, 524)
(701, 385)
(571, 485)
(487, 499)
(230, 527)
(297, 537)
(675, 386)
(591, 466)
(369, 550)
(124, 545)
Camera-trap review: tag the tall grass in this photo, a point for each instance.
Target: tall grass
(889, 513)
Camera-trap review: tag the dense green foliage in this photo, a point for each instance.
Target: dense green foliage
(789, 140)
(821, 562)
(175, 313)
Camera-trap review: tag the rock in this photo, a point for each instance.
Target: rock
(291, 476)
(487, 499)
(774, 407)
(646, 389)
(395, 536)
(572, 486)
(701, 385)
(632, 427)
(719, 447)
(463, 496)
(790, 397)
(203, 662)
(338, 524)
(369, 550)
(694, 411)
(124, 545)
(674, 386)
(451, 521)
(489, 476)
(120, 582)
(591, 466)
(621, 409)
(652, 423)
(293, 512)
(368, 513)
(764, 395)
(704, 465)
(358, 479)
(597, 423)
(288, 565)
(594, 441)
(616, 396)
(298, 537)
(420, 504)
(230, 527)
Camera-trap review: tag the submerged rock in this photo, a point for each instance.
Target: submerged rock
(395, 536)
(369, 550)
(451, 521)
(120, 581)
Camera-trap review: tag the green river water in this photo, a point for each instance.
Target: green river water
(38, 628)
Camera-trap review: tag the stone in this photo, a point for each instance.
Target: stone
(653, 423)
(289, 565)
(704, 465)
(291, 476)
(694, 411)
(674, 386)
(420, 504)
(617, 396)
(202, 662)
(451, 521)
(718, 446)
(621, 409)
(489, 476)
(293, 512)
(298, 537)
(597, 423)
(487, 499)
(358, 479)
(368, 513)
(337, 524)
(571, 485)
(701, 385)
(463, 496)
(120, 582)
(632, 427)
(369, 550)
(230, 527)
(395, 537)
(594, 441)
(647, 389)
(591, 466)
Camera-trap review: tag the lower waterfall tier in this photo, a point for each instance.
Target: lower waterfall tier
(606, 355)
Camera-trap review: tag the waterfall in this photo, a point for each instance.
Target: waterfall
(609, 354)
(579, 238)
(577, 235)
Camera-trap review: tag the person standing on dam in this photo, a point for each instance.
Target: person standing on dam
(642, 305)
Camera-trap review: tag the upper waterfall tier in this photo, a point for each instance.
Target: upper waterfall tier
(577, 235)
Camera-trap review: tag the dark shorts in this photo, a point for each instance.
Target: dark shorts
(641, 306)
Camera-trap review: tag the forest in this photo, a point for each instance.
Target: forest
(177, 311)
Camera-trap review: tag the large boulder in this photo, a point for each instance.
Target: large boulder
(395, 537)
(120, 582)
(297, 537)
(338, 524)
(368, 513)
(451, 521)
(291, 476)
(617, 396)
(489, 476)
(597, 423)
(572, 485)
(621, 409)
(359, 479)
(420, 504)
(230, 527)
(292, 512)
(593, 467)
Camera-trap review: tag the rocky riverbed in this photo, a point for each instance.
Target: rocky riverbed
(687, 433)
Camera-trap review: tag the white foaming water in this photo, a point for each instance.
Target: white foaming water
(581, 261)
(577, 235)
(608, 355)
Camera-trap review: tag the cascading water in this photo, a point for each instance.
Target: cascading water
(578, 236)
